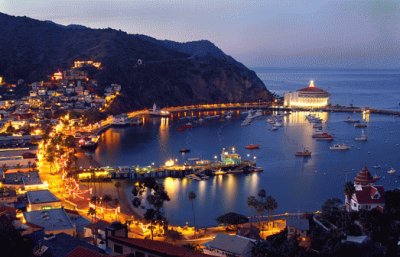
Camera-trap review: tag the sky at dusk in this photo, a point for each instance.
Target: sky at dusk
(301, 33)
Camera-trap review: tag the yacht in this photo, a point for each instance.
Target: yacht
(273, 128)
(258, 113)
(252, 146)
(377, 166)
(391, 171)
(304, 153)
(277, 124)
(351, 120)
(362, 137)
(120, 120)
(219, 172)
(360, 125)
(193, 176)
(342, 146)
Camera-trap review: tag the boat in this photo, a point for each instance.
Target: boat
(157, 112)
(273, 128)
(87, 144)
(252, 146)
(203, 176)
(342, 146)
(234, 171)
(360, 125)
(321, 135)
(304, 153)
(184, 150)
(219, 172)
(351, 120)
(188, 125)
(362, 137)
(317, 126)
(277, 124)
(136, 121)
(193, 176)
(377, 166)
(329, 138)
(258, 113)
(391, 171)
(270, 121)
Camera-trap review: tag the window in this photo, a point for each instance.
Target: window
(118, 248)
(139, 254)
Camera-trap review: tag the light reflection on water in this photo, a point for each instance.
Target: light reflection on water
(297, 184)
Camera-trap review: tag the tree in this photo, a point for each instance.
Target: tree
(117, 186)
(4, 167)
(92, 212)
(271, 206)
(251, 202)
(232, 219)
(192, 196)
(69, 141)
(331, 209)
(156, 198)
(349, 190)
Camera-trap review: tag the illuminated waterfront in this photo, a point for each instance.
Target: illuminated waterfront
(297, 184)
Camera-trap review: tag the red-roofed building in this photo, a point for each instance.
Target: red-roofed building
(146, 248)
(308, 97)
(367, 195)
(84, 252)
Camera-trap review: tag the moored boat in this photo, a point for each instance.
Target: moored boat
(219, 172)
(391, 171)
(252, 146)
(342, 146)
(184, 150)
(304, 153)
(362, 137)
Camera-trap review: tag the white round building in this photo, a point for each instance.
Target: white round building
(308, 97)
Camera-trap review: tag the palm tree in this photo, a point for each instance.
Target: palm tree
(117, 186)
(192, 196)
(92, 212)
(4, 167)
(251, 202)
(18, 166)
(349, 190)
(106, 200)
(271, 205)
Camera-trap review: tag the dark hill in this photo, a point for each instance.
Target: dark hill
(171, 73)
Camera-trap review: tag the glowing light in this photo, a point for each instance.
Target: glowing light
(169, 163)
(311, 83)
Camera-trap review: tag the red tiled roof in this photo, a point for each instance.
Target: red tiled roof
(365, 196)
(364, 177)
(157, 247)
(84, 252)
(312, 89)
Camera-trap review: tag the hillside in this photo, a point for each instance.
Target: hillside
(171, 73)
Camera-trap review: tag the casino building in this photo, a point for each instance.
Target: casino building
(308, 97)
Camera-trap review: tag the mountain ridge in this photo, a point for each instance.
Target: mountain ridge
(171, 73)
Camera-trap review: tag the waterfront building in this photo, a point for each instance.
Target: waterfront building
(367, 195)
(26, 181)
(42, 200)
(308, 97)
(230, 158)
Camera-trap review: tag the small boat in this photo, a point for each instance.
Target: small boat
(304, 153)
(377, 166)
(278, 124)
(258, 113)
(219, 172)
(391, 171)
(342, 146)
(360, 125)
(321, 135)
(351, 120)
(273, 128)
(270, 121)
(193, 176)
(203, 177)
(252, 146)
(188, 125)
(184, 150)
(234, 171)
(362, 137)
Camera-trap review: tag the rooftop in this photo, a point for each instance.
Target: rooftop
(50, 220)
(313, 89)
(23, 178)
(228, 243)
(63, 245)
(84, 252)
(370, 195)
(158, 247)
(41, 196)
(364, 177)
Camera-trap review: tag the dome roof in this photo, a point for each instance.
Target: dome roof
(313, 89)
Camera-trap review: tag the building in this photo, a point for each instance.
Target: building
(96, 230)
(224, 245)
(53, 221)
(308, 97)
(367, 195)
(148, 248)
(297, 226)
(26, 181)
(8, 195)
(42, 200)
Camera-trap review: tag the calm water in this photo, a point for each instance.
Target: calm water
(297, 184)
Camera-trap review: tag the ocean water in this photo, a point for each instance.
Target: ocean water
(363, 88)
(297, 184)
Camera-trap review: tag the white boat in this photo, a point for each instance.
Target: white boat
(391, 171)
(351, 120)
(362, 137)
(342, 146)
(377, 166)
(193, 176)
(219, 172)
(278, 124)
(258, 113)
(228, 117)
(270, 121)
(273, 128)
